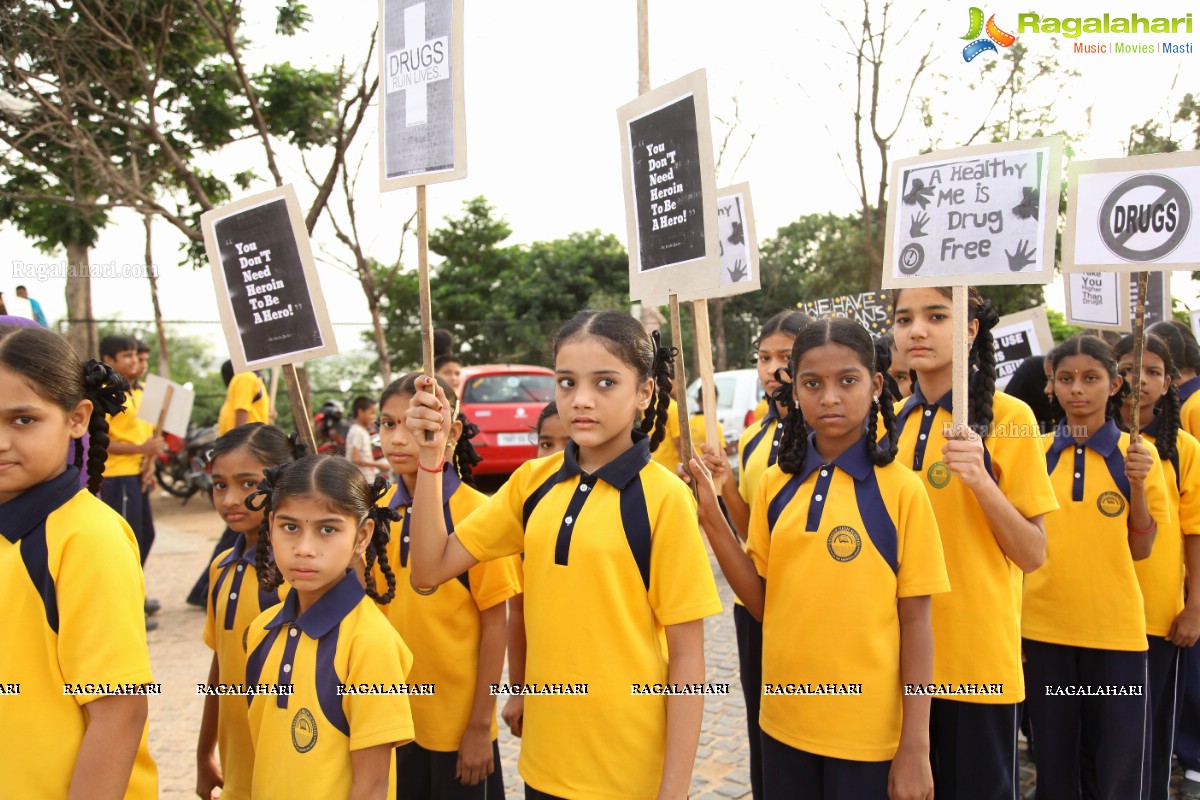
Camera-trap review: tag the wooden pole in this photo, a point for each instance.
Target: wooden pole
(960, 354)
(1139, 336)
(299, 408)
(708, 386)
(685, 429)
(166, 406)
(423, 279)
(643, 11)
(273, 395)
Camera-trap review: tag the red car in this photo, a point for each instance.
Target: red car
(504, 400)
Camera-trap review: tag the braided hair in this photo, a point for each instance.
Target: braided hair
(1168, 405)
(625, 338)
(793, 446)
(1096, 348)
(48, 364)
(981, 360)
(465, 456)
(340, 484)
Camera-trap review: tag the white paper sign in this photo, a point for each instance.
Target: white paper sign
(976, 215)
(179, 413)
(1195, 316)
(1134, 214)
(1097, 300)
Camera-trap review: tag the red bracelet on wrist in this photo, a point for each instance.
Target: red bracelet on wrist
(427, 469)
(1153, 527)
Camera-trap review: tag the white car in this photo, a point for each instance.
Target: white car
(738, 393)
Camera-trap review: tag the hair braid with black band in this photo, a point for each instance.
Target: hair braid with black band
(377, 549)
(269, 577)
(654, 423)
(882, 449)
(107, 391)
(981, 386)
(1169, 405)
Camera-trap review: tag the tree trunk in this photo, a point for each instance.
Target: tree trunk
(385, 366)
(160, 330)
(81, 327)
(716, 310)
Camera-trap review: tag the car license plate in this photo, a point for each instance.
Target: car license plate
(514, 439)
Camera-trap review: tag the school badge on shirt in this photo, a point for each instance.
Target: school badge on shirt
(304, 731)
(1111, 504)
(844, 543)
(938, 474)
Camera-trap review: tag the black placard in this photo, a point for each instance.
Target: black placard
(667, 185)
(265, 278)
(1011, 350)
(1157, 296)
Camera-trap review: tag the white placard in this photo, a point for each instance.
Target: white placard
(179, 413)
(1133, 214)
(1097, 300)
(975, 215)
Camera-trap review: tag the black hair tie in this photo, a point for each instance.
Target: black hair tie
(104, 387)
(379, 489)
(470, 430)
(987, 315)
(662, 352)
(299, 448)
(257, 500)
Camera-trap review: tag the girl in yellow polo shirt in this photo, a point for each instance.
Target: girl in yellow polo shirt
(551, 438)
(336, 704)
(758, 449)
(614, 566)
(847, 545)
(989, 496)
(456, 634)
(224, 752)
(73, 630)
(1083, 620)
(1171, 625)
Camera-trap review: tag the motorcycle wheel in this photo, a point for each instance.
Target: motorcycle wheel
(173, 478)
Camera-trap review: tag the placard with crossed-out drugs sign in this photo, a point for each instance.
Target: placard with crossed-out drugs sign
(976, 215)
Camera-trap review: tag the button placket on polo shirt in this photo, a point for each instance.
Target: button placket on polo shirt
(923, 436)
(562, 547)
(231, 606)
(287, 663)
(820, 496)
(1077, 480)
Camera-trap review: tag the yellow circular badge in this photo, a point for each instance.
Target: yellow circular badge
(938, 474)
(304, 731)
(1111, 504)
(844, 543)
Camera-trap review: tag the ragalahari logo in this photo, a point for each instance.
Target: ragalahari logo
(994, 37)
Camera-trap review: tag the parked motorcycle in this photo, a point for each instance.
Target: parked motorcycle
(180, 468)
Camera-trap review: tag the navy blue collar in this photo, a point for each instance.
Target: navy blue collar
(1155, 424)
(450, 483)
(772, 414)
(21, 515)
(238, 553)
(1188, 388)
(325, 614)
(854, 461)
(917, 400)
(621, 471)
(1103, 441)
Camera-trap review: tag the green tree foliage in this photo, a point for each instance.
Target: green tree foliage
(503, 303)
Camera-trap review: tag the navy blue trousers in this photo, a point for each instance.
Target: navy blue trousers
(973, 750)
(789, 773)
(749, 646)
(1090, 743)
(429, 775)
(125, 495)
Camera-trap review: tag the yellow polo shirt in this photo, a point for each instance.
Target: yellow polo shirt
(127, 428)
(977, 626)
(838, 544)
(667, 453)
(72, 592)
(1161, 576)
(1087, 593)
(758, 448)
(234, 601)
(611, 559)
(246, 392)
(1189, 411)
(443, 629)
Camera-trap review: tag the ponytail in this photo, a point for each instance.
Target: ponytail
(377, 547)
(269, 577)
(466, 457)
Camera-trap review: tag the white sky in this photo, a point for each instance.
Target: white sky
(544, 79)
